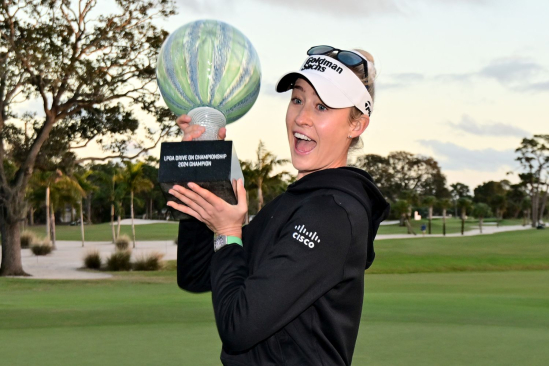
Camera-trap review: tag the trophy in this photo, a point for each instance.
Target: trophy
(210, 71)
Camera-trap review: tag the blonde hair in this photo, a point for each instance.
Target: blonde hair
(356, 143)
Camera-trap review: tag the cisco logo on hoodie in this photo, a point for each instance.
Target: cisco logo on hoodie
(300, 234)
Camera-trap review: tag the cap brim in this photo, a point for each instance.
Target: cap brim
(328, 92)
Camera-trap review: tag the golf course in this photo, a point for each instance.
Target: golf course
(474, 300)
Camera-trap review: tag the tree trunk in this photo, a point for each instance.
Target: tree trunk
(48, 224)
(430, 218)
(535, 201)
(462, 221)
(82, 221)
(118, 229)
(31, 216)
(497, 217)
(52, 221)
(131, 209)
(112, 223)
(11, 264)
(444, 222)
(543, 203)
(89, 208)
(480, 224)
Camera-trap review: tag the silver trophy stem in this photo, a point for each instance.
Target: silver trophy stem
(210, 118)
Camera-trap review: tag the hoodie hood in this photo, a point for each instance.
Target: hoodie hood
(356, 183)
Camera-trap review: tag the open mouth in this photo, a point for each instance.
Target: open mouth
(303, 144)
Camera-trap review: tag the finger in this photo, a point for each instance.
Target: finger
(234, 183)
(182, 120)
(242, 195)
(222, 134)
(185, 209)
(193, 132)
(182, 194)
(204, 197)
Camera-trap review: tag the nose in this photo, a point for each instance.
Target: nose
(303, 118)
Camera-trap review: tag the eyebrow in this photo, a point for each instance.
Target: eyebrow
(299, 87)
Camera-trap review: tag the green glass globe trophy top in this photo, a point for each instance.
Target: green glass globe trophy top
(210, 71)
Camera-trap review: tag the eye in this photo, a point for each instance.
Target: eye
(296, 101)
(322, 107)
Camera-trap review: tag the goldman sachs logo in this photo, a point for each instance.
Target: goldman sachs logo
(300, 234)
(320, 64)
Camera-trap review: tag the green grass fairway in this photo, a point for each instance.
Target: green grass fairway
(444, 317)
(102, 232)
(452, 226)
(168, 231)
(513, 250)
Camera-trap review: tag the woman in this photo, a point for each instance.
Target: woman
(287, 288)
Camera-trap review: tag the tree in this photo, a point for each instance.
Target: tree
(401, 208)
(81, 66)
(480, 211)
(464, 204)
(133, 179)
(63, 190)
(401, 170)
(533, 156)
(444, 203)
(87, 187)
(258, 175)
(430, 201)
(499, 202)
(458, 190)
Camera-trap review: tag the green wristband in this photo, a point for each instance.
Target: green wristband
(234, 240)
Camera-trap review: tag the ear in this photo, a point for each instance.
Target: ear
(359, 125)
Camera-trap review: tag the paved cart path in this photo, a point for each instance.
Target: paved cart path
(67, 261)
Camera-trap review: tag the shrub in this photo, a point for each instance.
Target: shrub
(122, 242)
(43, 248)
(28, 238)
(149, 262)
(119, 261)
(92, 260)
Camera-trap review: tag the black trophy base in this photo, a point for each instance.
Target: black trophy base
(211, 164)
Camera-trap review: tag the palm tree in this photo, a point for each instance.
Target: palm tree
(257, 175)
(444, 203)
(500, 203)
(481, 210)
(464, 204)
(430, 201)
(87, 188)
(526, 205)
(64, 190)
(401, 208)
(135, 182)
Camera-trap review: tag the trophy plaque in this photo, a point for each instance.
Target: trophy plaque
(210, 71)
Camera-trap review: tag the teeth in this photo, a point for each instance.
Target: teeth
(301, 136)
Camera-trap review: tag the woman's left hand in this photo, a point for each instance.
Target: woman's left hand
(221, 217)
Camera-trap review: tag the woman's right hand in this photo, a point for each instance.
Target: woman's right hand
(194, 131)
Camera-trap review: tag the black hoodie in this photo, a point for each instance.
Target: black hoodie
(292, 295)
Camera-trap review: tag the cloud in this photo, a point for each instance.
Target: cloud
(401, 80)
(455, 157)
(469, 125)
(511, 70)
(515, 73)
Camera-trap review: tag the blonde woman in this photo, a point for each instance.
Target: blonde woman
(287, 288)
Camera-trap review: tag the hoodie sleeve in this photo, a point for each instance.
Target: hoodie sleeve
(306, 261)
(194, 255)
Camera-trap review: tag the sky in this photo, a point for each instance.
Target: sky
(462, 81)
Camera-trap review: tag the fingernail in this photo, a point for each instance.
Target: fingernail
(190, 184)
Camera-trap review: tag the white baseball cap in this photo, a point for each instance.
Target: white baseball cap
(335, 83)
